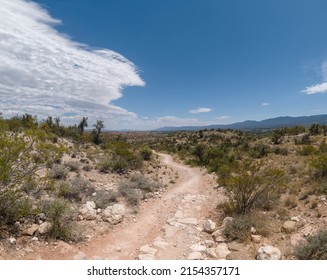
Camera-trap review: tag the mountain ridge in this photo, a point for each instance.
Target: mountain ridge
(271, 123)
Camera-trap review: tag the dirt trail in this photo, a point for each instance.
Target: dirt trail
(164, 228)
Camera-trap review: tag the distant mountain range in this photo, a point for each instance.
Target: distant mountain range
(256, 125)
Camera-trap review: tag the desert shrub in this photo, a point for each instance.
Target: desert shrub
(250, 184)
(303, 140)
(146, 153)
(105, 198)
(119, 165)
(132, 196)
(290, 201)
(13, 206)
(322, 187)
(30, 186)
(58, 171)
(240, 228)
(136, 187)
(104, 166)
(61, 217)
(75, 189)
(313, 248)
(259, 151)
(307, 151)
(73, 166)
(319, 164)
(280, 151)
(87, 167)
(277, 136)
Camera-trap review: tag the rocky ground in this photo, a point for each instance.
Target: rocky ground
(179, 222)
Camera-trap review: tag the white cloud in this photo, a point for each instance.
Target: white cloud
(321, 87)
(200, 110)
(43, 72)
(222, 118)
(318, 88)
(265, 104)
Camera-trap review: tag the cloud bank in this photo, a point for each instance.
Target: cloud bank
(43, 72)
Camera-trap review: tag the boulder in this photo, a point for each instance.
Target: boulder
(288, 226)
(43, 228)
(209, 226)
(114, 214)
(88, 211)
(222, 251)
(31, 230)
(269, 253)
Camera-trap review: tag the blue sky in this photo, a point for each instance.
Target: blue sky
(185, 62)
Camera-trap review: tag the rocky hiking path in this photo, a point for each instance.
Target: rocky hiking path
(166, 227)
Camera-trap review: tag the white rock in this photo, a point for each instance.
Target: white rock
(288, 226)
(44, 228)
(222, 251)
(31, 230)
(195, 256)
(114, 214)
(147, 250)
(12, 240)
(209, 226)
(88, 212)
(198, 248)
(269, 253)
(91, 204)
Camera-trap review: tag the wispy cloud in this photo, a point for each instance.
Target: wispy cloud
(265, 104)
(318, 88)
(321, 87)
(44, 72)
(200, 110)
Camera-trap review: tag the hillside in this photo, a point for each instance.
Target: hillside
(214, 194)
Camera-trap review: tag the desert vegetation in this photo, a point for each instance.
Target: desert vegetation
(55, 180)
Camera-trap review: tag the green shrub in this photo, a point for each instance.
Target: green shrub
(104, 166)
(252, 184)
(61, 217)
(73, 166)
(307, 151)
(290, 201)
(13, 206)
(303, 140)
(87, 167)
(319, 163)
(259, 151)
(136, 187)
(132, 196)
(314, 248)
(104, 198)
(240, 228)
(146, 153)
(280, 151)
(119, 165)
(58, 171)
(75, 189)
